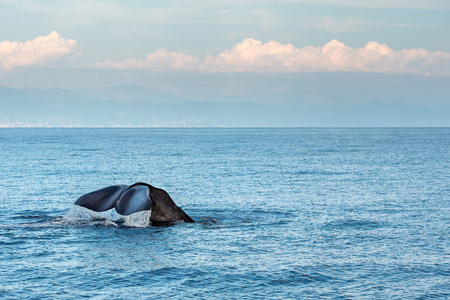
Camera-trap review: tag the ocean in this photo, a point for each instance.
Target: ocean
(281, 213)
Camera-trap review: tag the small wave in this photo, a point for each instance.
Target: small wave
(88, 149)
(294, 277)
(82, 216)
(207, 221)
(31, 215)
(318, 172)
(352, 224)
(12, 243)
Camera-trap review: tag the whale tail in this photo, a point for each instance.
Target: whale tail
(128, 199)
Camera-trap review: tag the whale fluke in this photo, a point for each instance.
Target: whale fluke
(128, 199)
(134, 199)
(102, 199)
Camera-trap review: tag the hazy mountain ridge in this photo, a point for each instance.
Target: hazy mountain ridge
(134, 106)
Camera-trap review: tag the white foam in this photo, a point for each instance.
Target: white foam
(138, 219)
(78, 214)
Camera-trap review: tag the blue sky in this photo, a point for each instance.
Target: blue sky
(97, 44)
(118, 30)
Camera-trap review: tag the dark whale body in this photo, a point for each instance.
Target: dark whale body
(128, 199)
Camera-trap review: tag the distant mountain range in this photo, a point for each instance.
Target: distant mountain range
(135, 106)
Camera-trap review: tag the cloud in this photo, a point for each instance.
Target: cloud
(252, 55)
(38, 51)
(160, 61)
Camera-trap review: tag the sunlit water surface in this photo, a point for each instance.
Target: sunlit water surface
(281, 214)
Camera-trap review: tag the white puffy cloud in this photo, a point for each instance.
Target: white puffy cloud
(252, 55)
(160, 61)
(35, 52)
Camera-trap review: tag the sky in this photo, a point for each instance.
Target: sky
(203, 46)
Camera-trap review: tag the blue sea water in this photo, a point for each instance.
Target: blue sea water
(281, 214)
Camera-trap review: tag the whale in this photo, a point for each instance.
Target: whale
(129, 199)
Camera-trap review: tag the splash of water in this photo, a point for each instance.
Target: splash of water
(78, 215)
